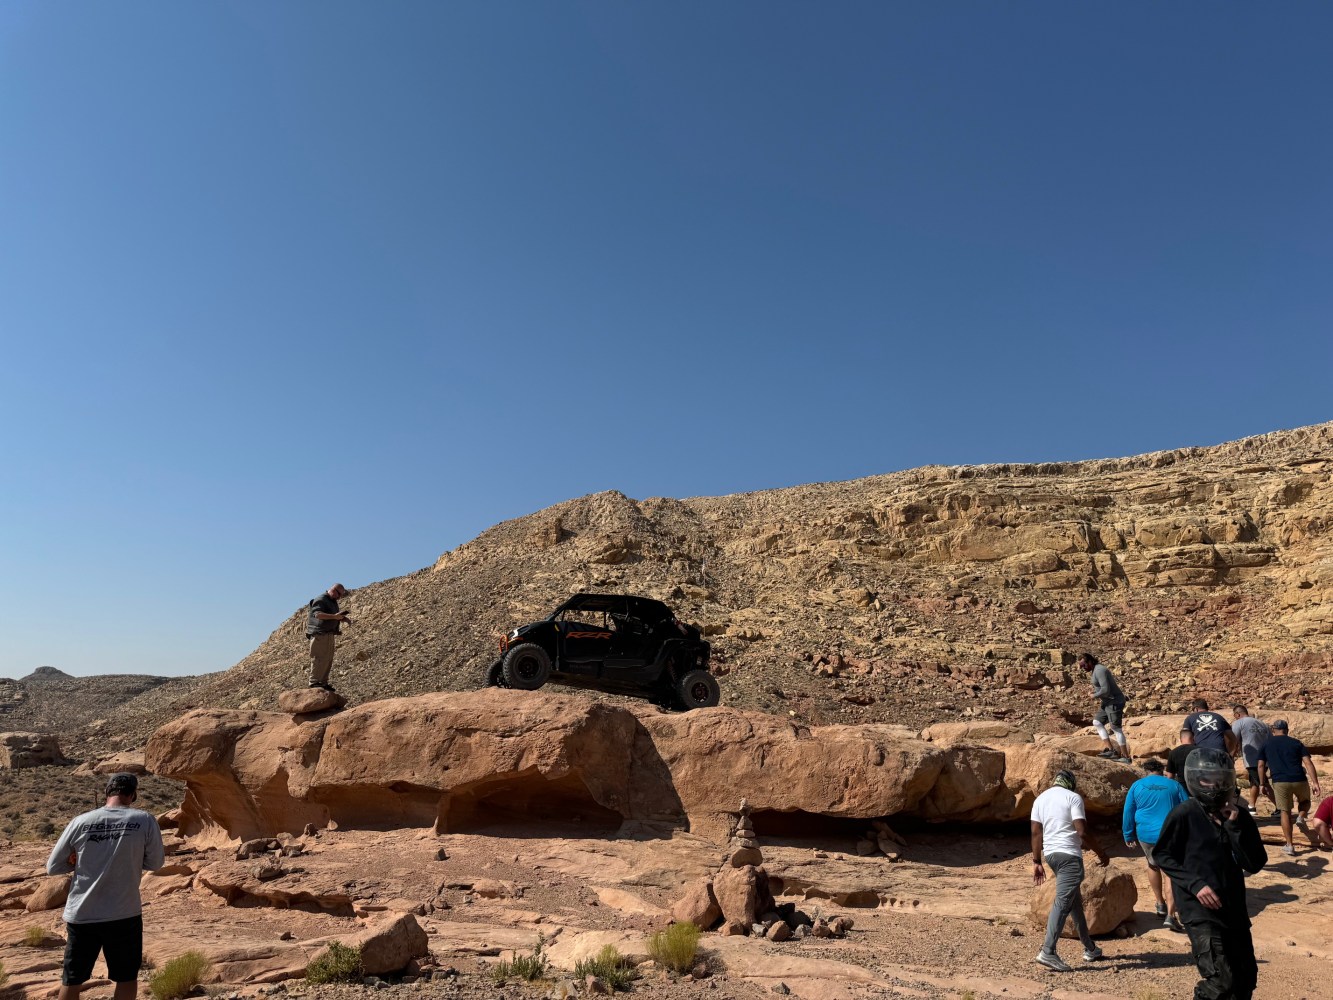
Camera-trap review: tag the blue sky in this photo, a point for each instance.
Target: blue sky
(303, 292)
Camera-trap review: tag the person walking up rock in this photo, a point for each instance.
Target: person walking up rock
(323, 623)
(1211, 731)
(108, 850)
(1149, 801)
(1207, 846)
(1110, 717)
(1059, 835)
(1252, 734)
(1293, 779)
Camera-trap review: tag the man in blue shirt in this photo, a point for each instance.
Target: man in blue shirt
(1289, 764)
(1147, 804)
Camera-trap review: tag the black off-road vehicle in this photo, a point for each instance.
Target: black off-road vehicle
(611, 642)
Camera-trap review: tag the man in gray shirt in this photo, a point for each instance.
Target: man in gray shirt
(108, 850)
(1110, 717)
(1252, 734)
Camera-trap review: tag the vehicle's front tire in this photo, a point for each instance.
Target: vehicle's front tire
(526, 667)
(698, 689)
(495, 675)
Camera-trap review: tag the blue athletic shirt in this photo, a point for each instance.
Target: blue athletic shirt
(1149, 801)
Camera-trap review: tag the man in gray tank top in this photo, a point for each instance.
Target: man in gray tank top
(108, 850)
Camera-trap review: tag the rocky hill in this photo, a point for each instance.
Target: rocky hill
(49, 700)
(935, 593)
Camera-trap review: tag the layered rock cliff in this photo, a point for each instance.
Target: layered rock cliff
(933, 593)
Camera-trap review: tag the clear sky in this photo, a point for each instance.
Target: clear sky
(314, 291)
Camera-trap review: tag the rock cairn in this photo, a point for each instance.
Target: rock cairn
(744, 846)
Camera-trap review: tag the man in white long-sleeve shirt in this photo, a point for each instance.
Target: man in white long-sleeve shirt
(108, 850)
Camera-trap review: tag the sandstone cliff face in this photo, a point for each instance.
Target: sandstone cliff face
(458, 762)
(910, 597)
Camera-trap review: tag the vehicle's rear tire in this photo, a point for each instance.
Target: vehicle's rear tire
(526, 667)
(495, 675)
(698, 689)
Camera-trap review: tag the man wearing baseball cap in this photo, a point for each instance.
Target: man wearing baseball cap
(108, 850)
(1288, 777)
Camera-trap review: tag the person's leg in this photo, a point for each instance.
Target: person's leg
(1099, 724)
(1155, 881)
(1239, 947)
(1321, 834)
(123, 946)
(82, 945)
(1063, 901)
(321, 658)
(1282, 795)
(1253, 774)
(1216, 976)
(1115, 718)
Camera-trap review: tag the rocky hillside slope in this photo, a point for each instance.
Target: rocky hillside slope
(49, 700)
(912, 597)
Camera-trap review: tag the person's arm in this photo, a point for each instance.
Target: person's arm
(1038, 868)
(1246, 843)
(63, 857)
(1311, 773)
(1171, 853)
(154, 855)
(1262, 764)
(1099, 685)
(1090, 842)
(1127, 827)
(324, 616)
(1233, 744)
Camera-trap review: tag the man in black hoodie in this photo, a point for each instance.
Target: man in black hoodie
(1207, 846)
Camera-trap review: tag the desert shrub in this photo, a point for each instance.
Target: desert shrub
(339, 963)
(4, 976)
(611, 967)
(33, 936)
(1148, 993)
(529, 967)
(675, 948)
(179, 976)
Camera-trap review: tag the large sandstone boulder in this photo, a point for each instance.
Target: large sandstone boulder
(1109, 895)
(389, 943)
(50, 894)
(126, 762)
(29, 750)
(743, 895)
(459, 761)
(697, 906)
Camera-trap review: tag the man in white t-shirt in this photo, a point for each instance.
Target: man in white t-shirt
(1059, 835)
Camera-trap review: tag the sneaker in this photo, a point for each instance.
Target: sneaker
(315, 684)
(1289, 850)
(1172, 923)
(1161, 909)
(1301, 821)
(1093, 954)
(1125, 760)
(1109, 754)
(1053, 961)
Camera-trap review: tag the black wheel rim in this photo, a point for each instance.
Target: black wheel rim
(527, 668)
(699, 692)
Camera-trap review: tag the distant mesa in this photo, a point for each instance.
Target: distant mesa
(46, 674)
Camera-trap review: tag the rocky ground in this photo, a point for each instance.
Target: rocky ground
(950, 918)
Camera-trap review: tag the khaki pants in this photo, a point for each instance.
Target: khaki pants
(321, 658)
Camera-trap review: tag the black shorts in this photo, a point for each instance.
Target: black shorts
(1253, 774)
(120, 940)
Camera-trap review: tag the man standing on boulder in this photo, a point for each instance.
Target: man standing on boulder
(108, 850)
(323, 623)
(1211, 731)
(1111, 713)
(1149, 801)
(1207, 846)
(1059, 835)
